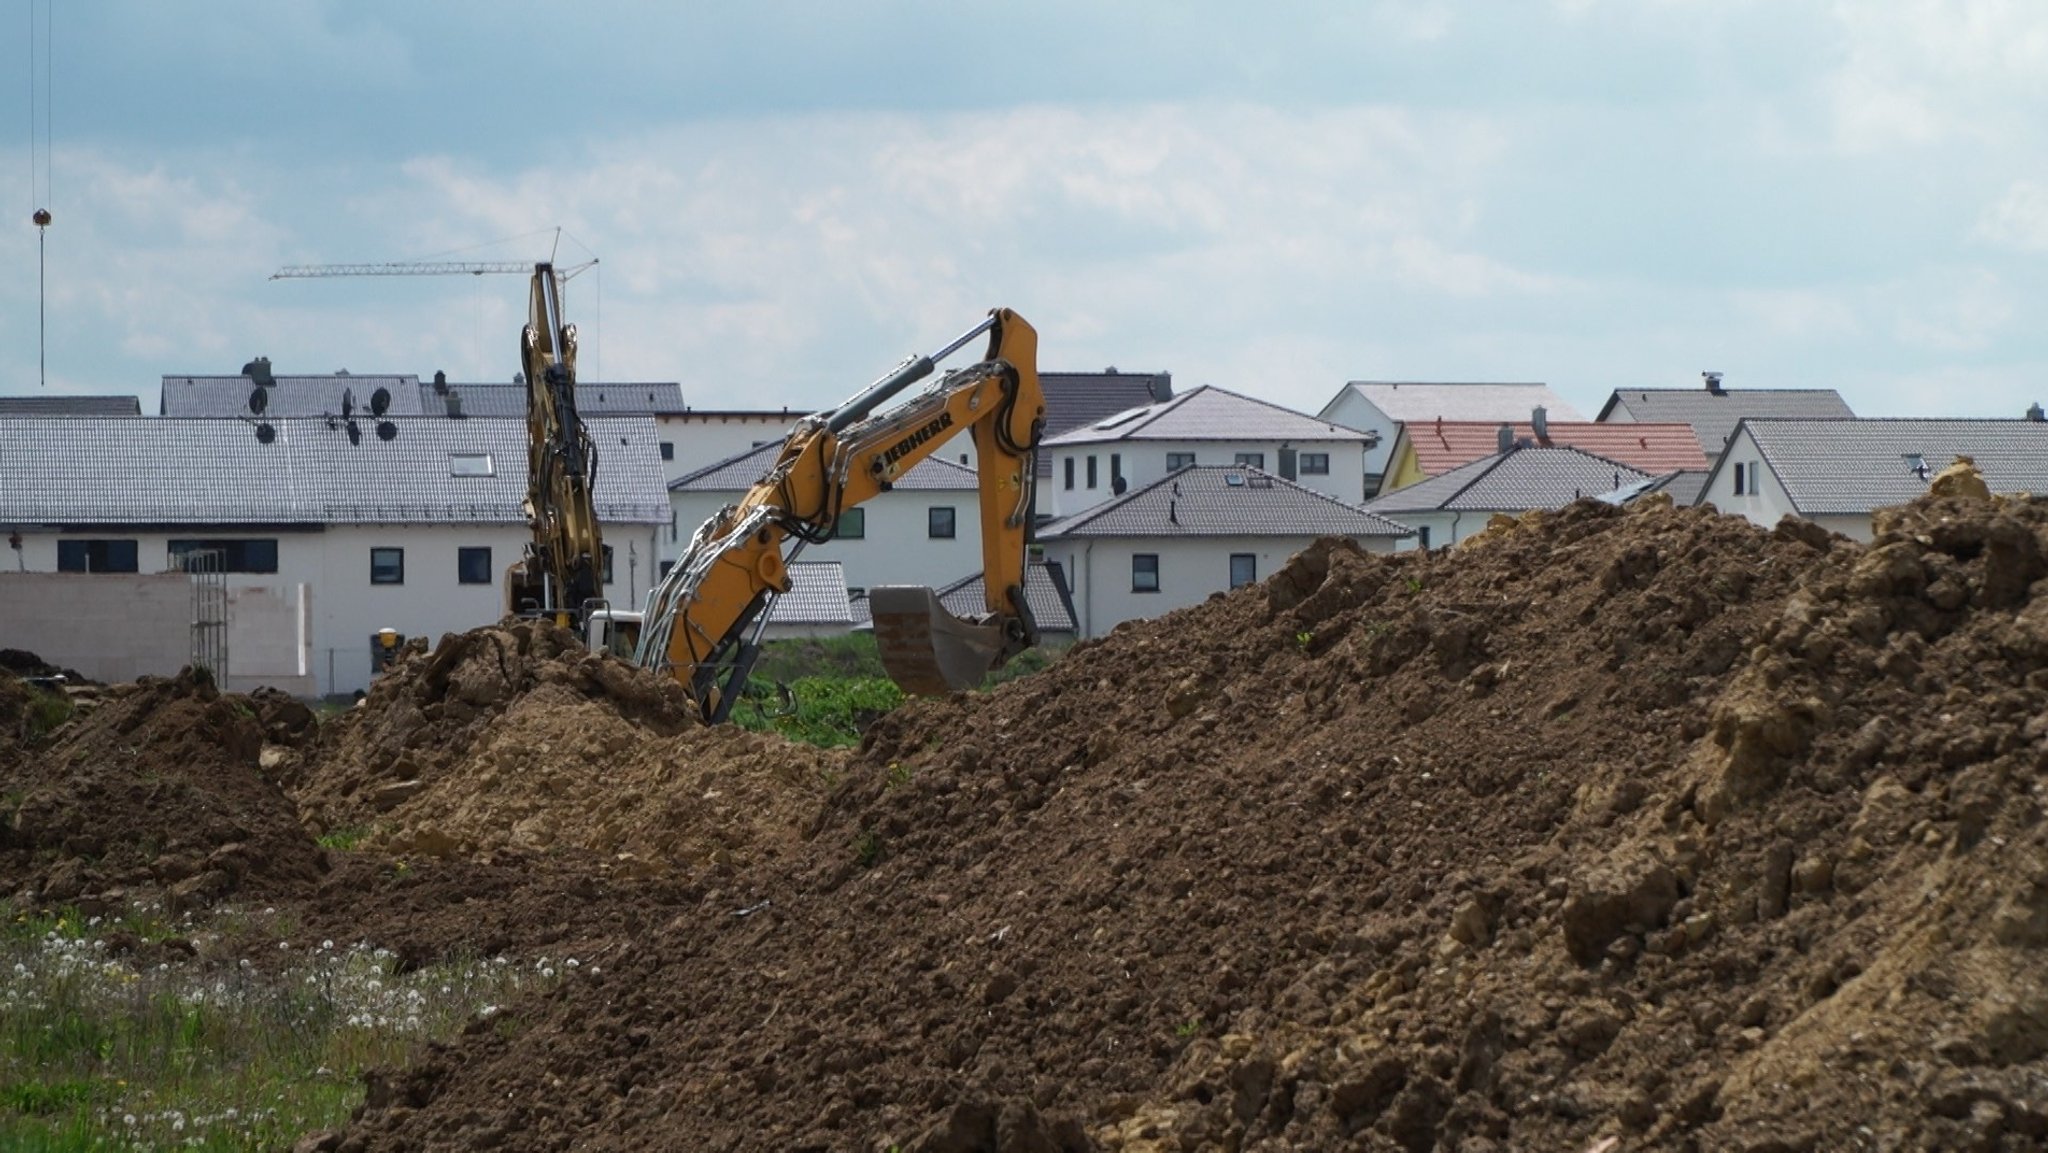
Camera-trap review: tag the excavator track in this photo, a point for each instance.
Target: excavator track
(927, 650)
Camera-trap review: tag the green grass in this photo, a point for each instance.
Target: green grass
(102, 1052)
(830, 711)
(45, 711)
(345, 838)
(839, 687)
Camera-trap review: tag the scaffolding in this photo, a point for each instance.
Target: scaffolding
(208, 571)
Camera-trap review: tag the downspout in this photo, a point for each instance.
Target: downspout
(1088, 578)
(1456, 518)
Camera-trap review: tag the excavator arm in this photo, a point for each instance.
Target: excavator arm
(563, 569)
(704, 620)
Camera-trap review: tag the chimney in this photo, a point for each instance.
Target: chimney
(1504, 438)
(440, 383)
(2035, 414)
(1539, 420)
(1713, 380)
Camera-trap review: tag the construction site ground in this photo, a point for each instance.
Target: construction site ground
(1611, 830)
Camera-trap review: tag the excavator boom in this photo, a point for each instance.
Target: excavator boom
(705, 619)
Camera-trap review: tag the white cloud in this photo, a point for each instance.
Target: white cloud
(2019, 219)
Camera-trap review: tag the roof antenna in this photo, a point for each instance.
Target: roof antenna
(39, 183)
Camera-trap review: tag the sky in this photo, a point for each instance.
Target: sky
(787, 198)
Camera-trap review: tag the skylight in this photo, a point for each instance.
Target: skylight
(1124, 417)
(471, 464)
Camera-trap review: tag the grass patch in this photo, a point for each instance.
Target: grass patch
(44, 712)
(831, 712)
(344, 838)
(100, 1052)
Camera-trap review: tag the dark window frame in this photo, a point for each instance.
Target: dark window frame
(1069, 462)
(1093, 474)
(1175, 461)
(1315, 463)
(1144, 565)
(397, 579)
(668, 450)
(934, 530)
(857, 530)
(238, 554)
(98, 555)
(1251, 460)
(466, 571)
(1251, 561)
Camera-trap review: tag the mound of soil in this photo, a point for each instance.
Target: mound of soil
(25, 664)
(157, 787)
(517, 738)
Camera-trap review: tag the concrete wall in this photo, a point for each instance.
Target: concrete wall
(1144, 462)
(1190, 571)
(111, 627)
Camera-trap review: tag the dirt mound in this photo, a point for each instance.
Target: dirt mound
(25, 664)
(158, 786)
(1643, 824)
(517, 738)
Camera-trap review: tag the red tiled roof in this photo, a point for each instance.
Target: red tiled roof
(1441, 446)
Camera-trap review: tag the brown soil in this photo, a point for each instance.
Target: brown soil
(1614, 830)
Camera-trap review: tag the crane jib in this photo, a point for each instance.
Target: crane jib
(934, 427)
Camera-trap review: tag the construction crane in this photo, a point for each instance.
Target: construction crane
(422, 268)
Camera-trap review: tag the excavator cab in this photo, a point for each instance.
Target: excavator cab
(704, 621)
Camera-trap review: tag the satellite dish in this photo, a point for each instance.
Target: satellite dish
(380, 402)
(386, 430)
(1118, 485)
(258, 400)
(265, 434)
(348, 403)
(355, 433)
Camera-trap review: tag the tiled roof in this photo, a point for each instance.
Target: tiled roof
(125, 405)
(1222, 500)
(593, 398)
(1405, 401)
(1045, 593)
(1074, 399)
(1713, 417)
(228, 396)
(171, 470)
(1207, 413)
(739, 473)
(1854, 466)
(1441, 446)
(1514, 481)
(1683, 487)
(816, 596)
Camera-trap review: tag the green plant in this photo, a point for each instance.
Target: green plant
(1303, 639)
(1414, 585)
(867, 849)
(899, 774)
(1188, 1028)
(830, 712)
(45, 711)
(345, 838)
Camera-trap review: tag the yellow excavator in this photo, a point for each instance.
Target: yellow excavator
(561, 577)
(704, 621)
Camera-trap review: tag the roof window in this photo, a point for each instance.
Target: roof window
(471, 464)
(1124, 417)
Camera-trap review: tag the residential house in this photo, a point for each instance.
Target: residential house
(1208, 426)
(1197, 531)
(925, 531)
(1837, 472)
(1426, 450)
(1381, 407)
(1714, 411)
(816, 604)
(327, 530)
(1455, 506)
(125, 404)
(270, 396)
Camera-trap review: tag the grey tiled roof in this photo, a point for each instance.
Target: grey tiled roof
(171, 470)
(1076, 399)
(1854, 466)
(125, 405)
(740, 472)
(228, 396)
(816, 596)
(1045, 593)
(593, 398)
(1683, 487)
(1514, 481)
(1208, 413)
(1404, 401)
(1713, 418)
(1222, 500)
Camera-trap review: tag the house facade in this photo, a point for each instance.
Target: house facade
(1713, 411)
(1205, 427)
(322, 536)
(1198, 531)
(1836, 473)
(1381, 408)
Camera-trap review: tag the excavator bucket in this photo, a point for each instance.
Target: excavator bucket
(926, 649)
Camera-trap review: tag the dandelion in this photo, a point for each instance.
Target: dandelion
(571, 962)
(128, 1119)
(324, 945)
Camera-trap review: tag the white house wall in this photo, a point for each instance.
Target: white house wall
(1356, 412)
(1765, 508)
(897, 549)
(698, 439)
(330, 571)
(1144, 461)
(1190, 571)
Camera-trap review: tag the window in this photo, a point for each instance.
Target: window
(1244, 569)
(96, 556)
(674, 525)
(1422, 538)
(387, 566)
(1252, 459)
(1091, 472)
(1315, 464)
(1756, 478)
(473, 565)
(668, 450)
(852, 525)
(1175, 461)
(471, 464)
(1069, 462)
(939, 523)
(1116, 468)
(607, 564)
(235, 555)
(1739, 469)
(665, 566)
(1145, 572)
